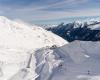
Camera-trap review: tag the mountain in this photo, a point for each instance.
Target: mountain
(32, 53)
(17, 42)
(84, 31)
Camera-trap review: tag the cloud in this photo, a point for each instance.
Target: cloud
(37, 10)
(57, 4)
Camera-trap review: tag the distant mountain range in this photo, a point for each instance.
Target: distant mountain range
(84, 31)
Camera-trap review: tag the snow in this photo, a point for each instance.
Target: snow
(92, 24)
(94, 27)
(80, 61)
(46, 62)
(78, 24)
(17, 42)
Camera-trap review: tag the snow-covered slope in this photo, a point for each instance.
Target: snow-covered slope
(78, 60)
(15, 34)
(85, 61)
(17, 42)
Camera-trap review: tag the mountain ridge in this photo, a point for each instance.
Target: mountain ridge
(86, 31)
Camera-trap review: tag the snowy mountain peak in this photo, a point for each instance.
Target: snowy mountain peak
(77, 24)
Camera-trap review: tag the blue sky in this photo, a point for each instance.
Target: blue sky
(49, 11)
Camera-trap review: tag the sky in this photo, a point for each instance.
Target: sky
(49, 11)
